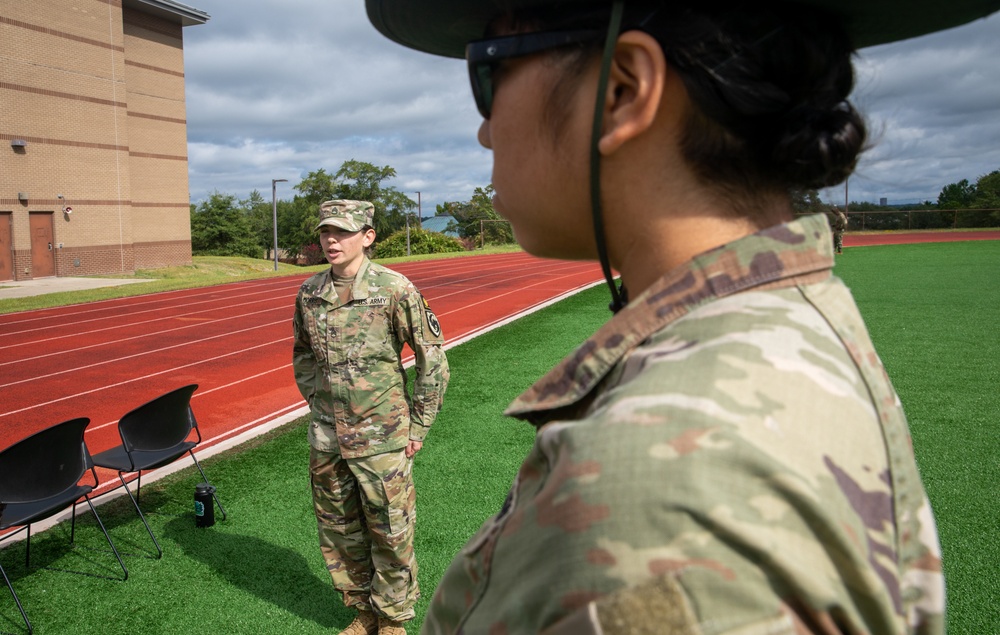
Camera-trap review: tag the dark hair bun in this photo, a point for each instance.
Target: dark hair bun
(770, 83)
(820, 145)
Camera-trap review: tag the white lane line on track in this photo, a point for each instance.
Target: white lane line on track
(213, 301)
(407, 362)
(144, 353)
(294, 281)
(128, 339)
(500, 295)
(47, 315)
(253, 429)
(506, 278)
(436, 298)
(288, 414)
(147, 376)
(207, 392)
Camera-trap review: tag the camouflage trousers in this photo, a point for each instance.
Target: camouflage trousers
(365, 512)
(838, 241)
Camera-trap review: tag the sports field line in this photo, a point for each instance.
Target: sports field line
(106, 491)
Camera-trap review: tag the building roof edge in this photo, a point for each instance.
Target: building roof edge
(171, 10)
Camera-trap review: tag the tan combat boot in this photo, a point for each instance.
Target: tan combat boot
(366, 623)
(388, 627)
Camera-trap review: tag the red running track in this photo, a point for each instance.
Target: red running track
(901, 238)
(102, 359)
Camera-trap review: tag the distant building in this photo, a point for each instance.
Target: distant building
(439, 224)
(883, 201)
(93, 137)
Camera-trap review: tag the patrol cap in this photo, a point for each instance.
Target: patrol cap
(444, 27)
(350, 216)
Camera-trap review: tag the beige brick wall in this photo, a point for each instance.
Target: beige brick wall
(97, 92)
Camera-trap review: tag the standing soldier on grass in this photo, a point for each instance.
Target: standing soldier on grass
(838, 224)
(350, 325)
(725, 455)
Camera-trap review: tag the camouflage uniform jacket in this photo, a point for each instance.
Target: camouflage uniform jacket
(347, 363)
(725, 455)
(839, 223)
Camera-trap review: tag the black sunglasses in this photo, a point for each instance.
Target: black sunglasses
(484, 55)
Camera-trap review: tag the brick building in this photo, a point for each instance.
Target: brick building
(93, 137)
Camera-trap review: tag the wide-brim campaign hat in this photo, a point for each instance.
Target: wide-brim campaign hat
(444, 27)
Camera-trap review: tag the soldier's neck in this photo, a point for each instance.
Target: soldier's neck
(348, 269)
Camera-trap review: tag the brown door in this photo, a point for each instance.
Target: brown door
(43, 262)
(6, 248)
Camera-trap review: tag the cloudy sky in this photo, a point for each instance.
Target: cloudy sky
(279, 88)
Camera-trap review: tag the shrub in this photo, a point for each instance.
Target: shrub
(421, 242)
(312, 255)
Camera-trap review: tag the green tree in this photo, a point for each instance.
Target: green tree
(807, 202)
(957, 195)
(476, 219)
(987, 191)
(260, 217)
(355, 180)
(987, 198)
(219, 227)
(362, 181)
(318, 186)
(297, 226)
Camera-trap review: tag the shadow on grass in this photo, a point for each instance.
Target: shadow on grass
(89, 555)
(275, 574)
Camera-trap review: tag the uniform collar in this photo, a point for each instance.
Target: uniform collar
(783, 255)
(359, 289)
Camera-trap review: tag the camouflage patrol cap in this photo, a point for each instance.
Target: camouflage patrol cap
(444, 27)
(350, 216)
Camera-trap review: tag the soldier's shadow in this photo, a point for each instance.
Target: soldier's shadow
(280, 576)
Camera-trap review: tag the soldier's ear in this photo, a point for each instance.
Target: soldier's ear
(368, 237)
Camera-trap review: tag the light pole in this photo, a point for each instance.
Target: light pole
(420, 217)
(274, 212)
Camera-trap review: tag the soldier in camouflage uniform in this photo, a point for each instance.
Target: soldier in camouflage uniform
(350, 325)
(839, 225)
(726, 455)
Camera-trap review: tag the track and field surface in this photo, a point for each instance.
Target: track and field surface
(102, 359)
(906, 238)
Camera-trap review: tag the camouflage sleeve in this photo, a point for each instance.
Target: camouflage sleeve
(304, 362)
(416, 324)
(731, 477)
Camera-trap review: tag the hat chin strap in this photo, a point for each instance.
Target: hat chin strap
(619, 295)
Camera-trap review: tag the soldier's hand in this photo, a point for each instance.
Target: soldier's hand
(413, 447)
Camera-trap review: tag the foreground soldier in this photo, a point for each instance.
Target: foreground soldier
(726, 454)
(350, 325)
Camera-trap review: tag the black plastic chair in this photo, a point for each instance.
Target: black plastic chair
(155, 434)
(40, 477)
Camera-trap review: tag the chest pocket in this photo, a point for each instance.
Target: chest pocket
(371, 336)
(314, 321)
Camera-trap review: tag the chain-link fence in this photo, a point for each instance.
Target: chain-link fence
(922, 219)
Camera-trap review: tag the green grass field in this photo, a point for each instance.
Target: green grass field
(932, 312)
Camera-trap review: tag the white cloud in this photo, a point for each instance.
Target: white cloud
(934, 107)
(276, 89)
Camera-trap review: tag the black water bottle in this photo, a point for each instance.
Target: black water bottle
(204, 510)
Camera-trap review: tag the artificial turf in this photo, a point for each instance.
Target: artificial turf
(931, 309)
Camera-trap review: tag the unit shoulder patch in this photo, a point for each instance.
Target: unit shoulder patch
(432, 321)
